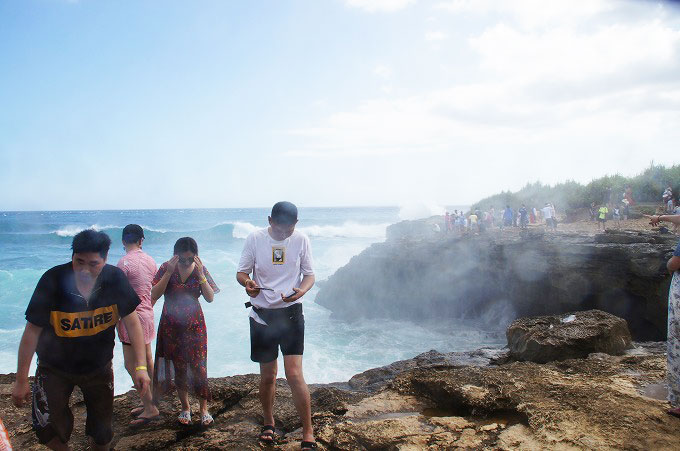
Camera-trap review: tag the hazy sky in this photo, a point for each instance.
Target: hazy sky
(176, 104)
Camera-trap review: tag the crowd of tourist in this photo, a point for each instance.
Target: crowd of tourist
(478, 221)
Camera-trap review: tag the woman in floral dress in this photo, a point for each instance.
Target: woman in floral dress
(673, 341)
(182, 339)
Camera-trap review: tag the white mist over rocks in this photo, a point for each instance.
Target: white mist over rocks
(419, 210)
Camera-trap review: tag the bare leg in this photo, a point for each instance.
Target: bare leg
(203, 406)
(184, 399)
(57, 445)
(298, 386)
(268, 390)
(150, 410)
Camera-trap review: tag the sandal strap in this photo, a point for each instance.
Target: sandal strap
(308, 445)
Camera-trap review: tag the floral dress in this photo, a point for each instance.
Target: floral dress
(182, 338)
(673, 354)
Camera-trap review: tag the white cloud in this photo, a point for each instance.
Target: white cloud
(382, 71)
(436, 36)
(566, 54)
(531, 13)
(379, 5)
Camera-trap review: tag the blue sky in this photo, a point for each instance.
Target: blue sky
(171, 104)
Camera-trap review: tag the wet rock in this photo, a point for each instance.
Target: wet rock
(377, 378)
(574, 335)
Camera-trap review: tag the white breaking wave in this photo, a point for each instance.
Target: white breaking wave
(152, 229)
(419, 210)
(347, 230)
(73, 230)
(243, 229)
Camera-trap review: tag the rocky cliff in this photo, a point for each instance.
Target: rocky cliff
(419, 275)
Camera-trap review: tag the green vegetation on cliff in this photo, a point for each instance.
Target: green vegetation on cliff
(646, 186)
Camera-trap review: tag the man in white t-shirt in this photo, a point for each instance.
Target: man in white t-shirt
(280, 260)
(548, 215)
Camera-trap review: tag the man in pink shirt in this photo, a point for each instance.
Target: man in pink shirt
(140, 269)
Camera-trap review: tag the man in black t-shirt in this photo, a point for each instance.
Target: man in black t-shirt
(71, 319)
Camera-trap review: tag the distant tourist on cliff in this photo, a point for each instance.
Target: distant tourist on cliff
(523, 217)
(628, 195)
(139, 268)
(507, 216)
(547, 212)
(70, 322)
(626, 209)
(280, 260)
(602, 213)
(593, 211)
(616, 216)
(472, 221)
(182, 344)
(673, 341)
(667, 196)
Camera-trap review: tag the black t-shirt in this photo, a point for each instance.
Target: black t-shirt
(78, 336)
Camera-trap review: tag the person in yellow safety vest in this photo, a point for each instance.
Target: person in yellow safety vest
(602, 213)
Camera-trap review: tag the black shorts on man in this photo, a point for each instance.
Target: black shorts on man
(285, 328)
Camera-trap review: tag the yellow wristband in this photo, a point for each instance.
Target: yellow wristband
(204, 280)
(139, 368)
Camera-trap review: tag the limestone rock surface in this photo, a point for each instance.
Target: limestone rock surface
(569, 336)
(602, 402)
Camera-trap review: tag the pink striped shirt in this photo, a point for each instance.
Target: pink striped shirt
(139, 268)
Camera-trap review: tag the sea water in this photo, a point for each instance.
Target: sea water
(32, 242)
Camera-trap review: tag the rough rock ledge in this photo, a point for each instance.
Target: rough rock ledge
(434, 401)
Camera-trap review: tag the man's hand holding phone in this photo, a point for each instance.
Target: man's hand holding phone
(297, 294)
(251, 288)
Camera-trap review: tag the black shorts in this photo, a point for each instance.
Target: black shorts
(52, 416)
(285, 327)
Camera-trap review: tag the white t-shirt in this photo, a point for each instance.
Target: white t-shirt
(547, 212)
(278, 265)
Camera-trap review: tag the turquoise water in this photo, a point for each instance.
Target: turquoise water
(32, 242)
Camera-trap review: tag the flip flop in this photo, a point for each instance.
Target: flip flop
(206, 419)
(267, 434)
(308, 445)
(137, 410)
(184, 417)
(143, 421)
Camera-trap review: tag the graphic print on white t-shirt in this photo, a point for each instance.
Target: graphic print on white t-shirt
(278, 255)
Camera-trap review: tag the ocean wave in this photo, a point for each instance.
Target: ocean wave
(242, 229)
(73, 230)
(348, 229)
(231, 229)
